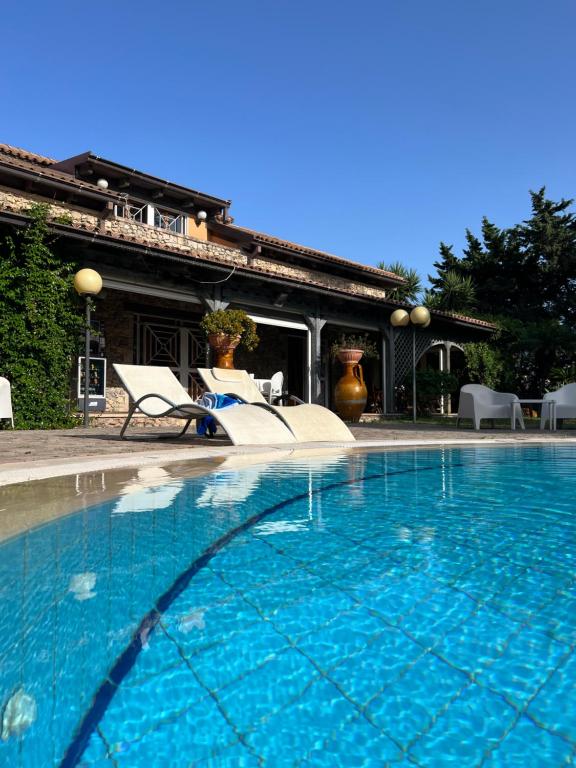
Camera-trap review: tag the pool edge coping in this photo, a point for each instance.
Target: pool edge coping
(15, 473)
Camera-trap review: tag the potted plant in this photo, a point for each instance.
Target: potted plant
(226, 329)
(353, 347)
(351, 394)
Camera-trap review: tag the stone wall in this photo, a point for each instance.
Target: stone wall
(143, 234)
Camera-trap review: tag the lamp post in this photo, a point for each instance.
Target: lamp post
(87, 283)
(420, 317)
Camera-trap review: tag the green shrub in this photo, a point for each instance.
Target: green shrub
(431, 385)
(484, 363)
(39, 325)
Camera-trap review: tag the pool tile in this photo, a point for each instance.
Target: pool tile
(410, 704)
(491, 576)
(290, 588)
(95, 754)
(558, 617)
(243, 652)
(377, 575)
(528, 746)
(323, 543)
(464, 732)
(526, 595)
(159, 654)
(302, 725)
(235, 756)
(245, 549)
(478, 641)
(196, 627)
(357, 744)
(550, 707)
(137, 709)
(200, 733)
(207, 588)
(380, 663)
(442, 611)
(311, 611)
(345, 635)
(337, 564)
(528, 660)
(395, 603)
(266, 690)
(244, 575)
(10, 752)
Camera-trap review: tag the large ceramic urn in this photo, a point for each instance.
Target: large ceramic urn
(351, 394)
(223, 346)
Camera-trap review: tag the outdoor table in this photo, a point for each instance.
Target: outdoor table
(551, 414)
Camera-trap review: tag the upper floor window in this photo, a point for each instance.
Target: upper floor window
(154, 217)
(165, 220)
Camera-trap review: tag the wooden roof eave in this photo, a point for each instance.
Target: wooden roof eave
(147, 180)
(45, 177)
(249, 241)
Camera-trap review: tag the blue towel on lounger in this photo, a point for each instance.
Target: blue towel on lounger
(207, 426)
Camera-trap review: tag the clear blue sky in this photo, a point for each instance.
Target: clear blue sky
(371, 129)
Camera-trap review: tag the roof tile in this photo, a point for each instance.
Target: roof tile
(23, 154)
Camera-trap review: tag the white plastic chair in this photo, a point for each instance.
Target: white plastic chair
(272, 388)
(565, 408)
(478, 402)
(6, 401)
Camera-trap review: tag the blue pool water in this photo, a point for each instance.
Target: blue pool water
(409, 608)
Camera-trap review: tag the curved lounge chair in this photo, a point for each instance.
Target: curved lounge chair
(478, 402)
(564, 408)
(308, 422)
(156, 392)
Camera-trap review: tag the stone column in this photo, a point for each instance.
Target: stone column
(384, 344)
(389, 403)
(448, 368)
(315, 325)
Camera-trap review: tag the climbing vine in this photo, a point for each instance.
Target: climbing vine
(39, 325)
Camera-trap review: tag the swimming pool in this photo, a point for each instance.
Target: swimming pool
(416, 607)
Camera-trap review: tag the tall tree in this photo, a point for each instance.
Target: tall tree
(447, 262)
(524, 279)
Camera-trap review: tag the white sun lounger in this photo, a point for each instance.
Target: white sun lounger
(156, 392)
(308, 422)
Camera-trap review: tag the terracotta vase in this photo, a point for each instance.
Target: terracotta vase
(351, 394)
(223, 346)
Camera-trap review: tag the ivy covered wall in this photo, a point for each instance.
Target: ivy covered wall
(40, 324)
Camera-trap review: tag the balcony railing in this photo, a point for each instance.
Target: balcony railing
(147, 214)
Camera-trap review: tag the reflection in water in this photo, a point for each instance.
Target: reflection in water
(154, 489)
(229, 487)
(281, 526)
